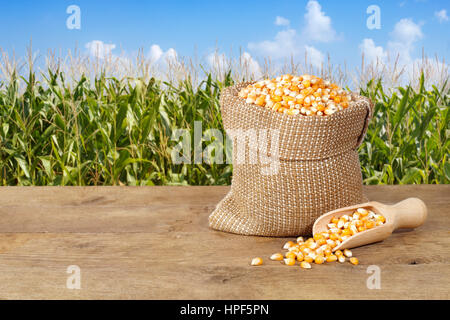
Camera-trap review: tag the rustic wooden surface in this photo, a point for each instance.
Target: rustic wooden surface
(154, 243)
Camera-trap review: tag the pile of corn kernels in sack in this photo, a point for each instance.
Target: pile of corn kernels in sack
(294, 95)
(319, 248)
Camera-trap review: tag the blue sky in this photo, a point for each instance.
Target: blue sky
(198, 27)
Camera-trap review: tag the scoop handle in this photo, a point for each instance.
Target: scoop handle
(409, 213)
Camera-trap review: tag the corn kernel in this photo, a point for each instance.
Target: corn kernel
(288, 244)
(257, 261)
(289, 261)
(305, 265)
(290, 255)
(319, 259)
(318, 249)
(276, 257)
(347, 253)
(305, 94)
(332, 258)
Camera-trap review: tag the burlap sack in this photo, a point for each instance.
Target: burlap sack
(318, 168)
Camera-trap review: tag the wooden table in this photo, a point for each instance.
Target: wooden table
(154, 243)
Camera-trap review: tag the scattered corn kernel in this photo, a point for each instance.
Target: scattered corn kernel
(347, 253)
(319, 259)
(257, 261)
(288, 244)
(289, 261)
(318, 248)
(276, 257)
(305, 265)
(290, 255)
(332, 258)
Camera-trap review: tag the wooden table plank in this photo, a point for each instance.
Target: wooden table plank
(154, 243)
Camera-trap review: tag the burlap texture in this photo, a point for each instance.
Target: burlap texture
(319, 169)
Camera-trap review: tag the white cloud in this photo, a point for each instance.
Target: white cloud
(406, 31)
(285, 44)
(289, 43)
(318, 25)
(281, 21)
(251, 65)
(170, 55)
(371, 52)
(315, 57)
(99, 49)
(441, 15)
(404, 36)
(157, 56)
(155, 53)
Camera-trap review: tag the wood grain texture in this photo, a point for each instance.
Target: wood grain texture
(154, 243)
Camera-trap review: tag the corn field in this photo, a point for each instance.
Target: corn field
(103, 129)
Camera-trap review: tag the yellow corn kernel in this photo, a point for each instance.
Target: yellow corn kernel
(290, 255)
(334, 236)
(319, 259)
(276, 257)
(305, 265)
(300, 257)
(276, 98)
(260, 101)
(354, 260)
(341, 259)
(363, 212)
(288, 244)
(325, 235)
(331, 243)
(332, 258)
(257, 261)
(317, 236)
(346, 232)
(347, 253)
(338, 253)
(369, 224)
(312, 245)
(308, 259)
(300, 239)
(289, 261)
(306, 250)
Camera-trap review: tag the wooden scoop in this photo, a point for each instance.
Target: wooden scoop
(409, 213)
